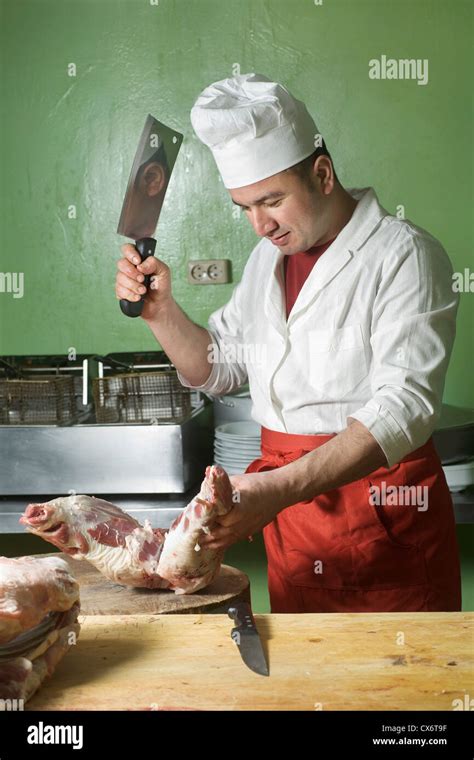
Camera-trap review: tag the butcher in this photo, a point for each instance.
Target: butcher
(353, 311)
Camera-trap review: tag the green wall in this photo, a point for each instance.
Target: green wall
(70, 141)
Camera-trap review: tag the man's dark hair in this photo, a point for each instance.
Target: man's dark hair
(304, 167)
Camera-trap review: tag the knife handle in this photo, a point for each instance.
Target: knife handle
(241, 613)
(145, 247)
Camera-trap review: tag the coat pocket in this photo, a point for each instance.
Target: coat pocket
(337, 359)
(390, 555)
(345, 541)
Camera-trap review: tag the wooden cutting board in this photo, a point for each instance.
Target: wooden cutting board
(99, 596)
(396, 661)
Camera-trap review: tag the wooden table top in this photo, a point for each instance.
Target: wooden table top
(390, 661)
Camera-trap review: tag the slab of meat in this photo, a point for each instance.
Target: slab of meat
(93, 529)
(30, 588)
(186, 565)
(39, 607)
(129, 553)
(21, 676)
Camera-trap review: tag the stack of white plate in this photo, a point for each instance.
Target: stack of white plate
(460, 475)
(236, 444)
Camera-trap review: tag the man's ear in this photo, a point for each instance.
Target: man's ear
(324, 171)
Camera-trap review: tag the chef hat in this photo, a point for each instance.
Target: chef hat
(254, 128)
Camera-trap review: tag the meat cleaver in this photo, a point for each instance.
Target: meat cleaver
(155, 157)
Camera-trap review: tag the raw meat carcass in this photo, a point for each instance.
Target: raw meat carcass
(30, 588)
(187, 566)
(135, 555)
(39, 607)
(93, 529)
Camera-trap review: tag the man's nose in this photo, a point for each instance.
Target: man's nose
(262, 223)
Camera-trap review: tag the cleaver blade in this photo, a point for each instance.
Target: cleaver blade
(154, 160)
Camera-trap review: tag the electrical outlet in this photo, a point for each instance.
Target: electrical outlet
(209, 271)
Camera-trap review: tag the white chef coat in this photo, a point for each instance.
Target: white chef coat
(369, 336)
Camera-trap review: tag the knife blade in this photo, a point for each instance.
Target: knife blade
(247, 638)
(154, 160)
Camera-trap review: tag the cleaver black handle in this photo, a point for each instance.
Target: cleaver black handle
(145, 247)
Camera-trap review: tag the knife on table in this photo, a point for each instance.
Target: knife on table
(247, 638)
(154, 160)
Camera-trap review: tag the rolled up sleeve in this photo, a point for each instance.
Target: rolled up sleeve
(412, 335)
(226, 354)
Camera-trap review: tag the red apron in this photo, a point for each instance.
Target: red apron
(341, 552)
